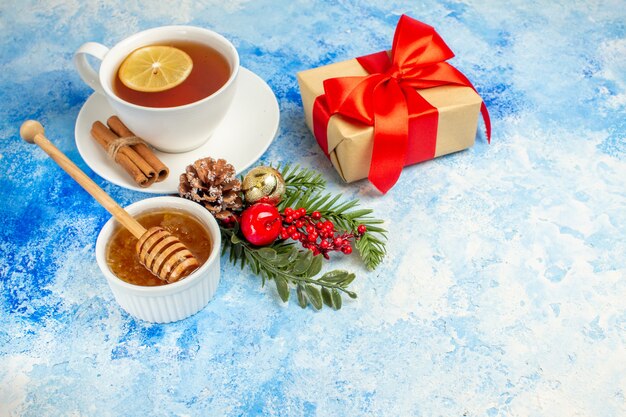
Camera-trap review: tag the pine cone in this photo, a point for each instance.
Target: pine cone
(214, 185)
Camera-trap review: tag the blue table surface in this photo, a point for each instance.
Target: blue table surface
(503, 292)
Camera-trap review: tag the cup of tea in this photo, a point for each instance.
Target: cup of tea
(178, 119)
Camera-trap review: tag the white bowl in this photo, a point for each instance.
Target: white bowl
(171, 302)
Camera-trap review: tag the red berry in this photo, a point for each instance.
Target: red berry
(316, 215)
(261, 224)
(291, 230)
(329, 225)
(288, 219)
(312, 237)
(301, 212)
(361, 229)
(338, 242)
(310, 229)
(347, 249)
(288, 211)
(299, 224)
(296, 235)
(319, 225)
(284, 234)
(324, 244)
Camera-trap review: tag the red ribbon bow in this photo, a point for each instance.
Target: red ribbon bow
(387, 98)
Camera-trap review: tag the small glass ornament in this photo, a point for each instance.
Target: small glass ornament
(263, 184)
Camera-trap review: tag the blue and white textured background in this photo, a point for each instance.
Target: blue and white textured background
(504, 292)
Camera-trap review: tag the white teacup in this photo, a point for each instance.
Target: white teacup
(171, 129)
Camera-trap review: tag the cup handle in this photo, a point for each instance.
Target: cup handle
(85, 70)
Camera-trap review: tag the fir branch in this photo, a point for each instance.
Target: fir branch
(288, 266)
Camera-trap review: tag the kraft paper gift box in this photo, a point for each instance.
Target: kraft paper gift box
(451, 123)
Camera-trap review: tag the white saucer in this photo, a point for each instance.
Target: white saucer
(243, 136)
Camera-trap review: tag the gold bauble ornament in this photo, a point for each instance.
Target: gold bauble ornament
(263, 184)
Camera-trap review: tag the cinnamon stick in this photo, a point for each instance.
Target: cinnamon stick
(141, 172)
(117, 126)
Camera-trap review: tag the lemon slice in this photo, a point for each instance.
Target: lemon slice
(155, 68)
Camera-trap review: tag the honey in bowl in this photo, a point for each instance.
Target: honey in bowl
(121, 255)
(209, 73)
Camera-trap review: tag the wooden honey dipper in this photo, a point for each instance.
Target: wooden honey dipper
(159, 251)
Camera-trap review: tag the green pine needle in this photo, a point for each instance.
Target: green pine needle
(287, 266)
(298, 178)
